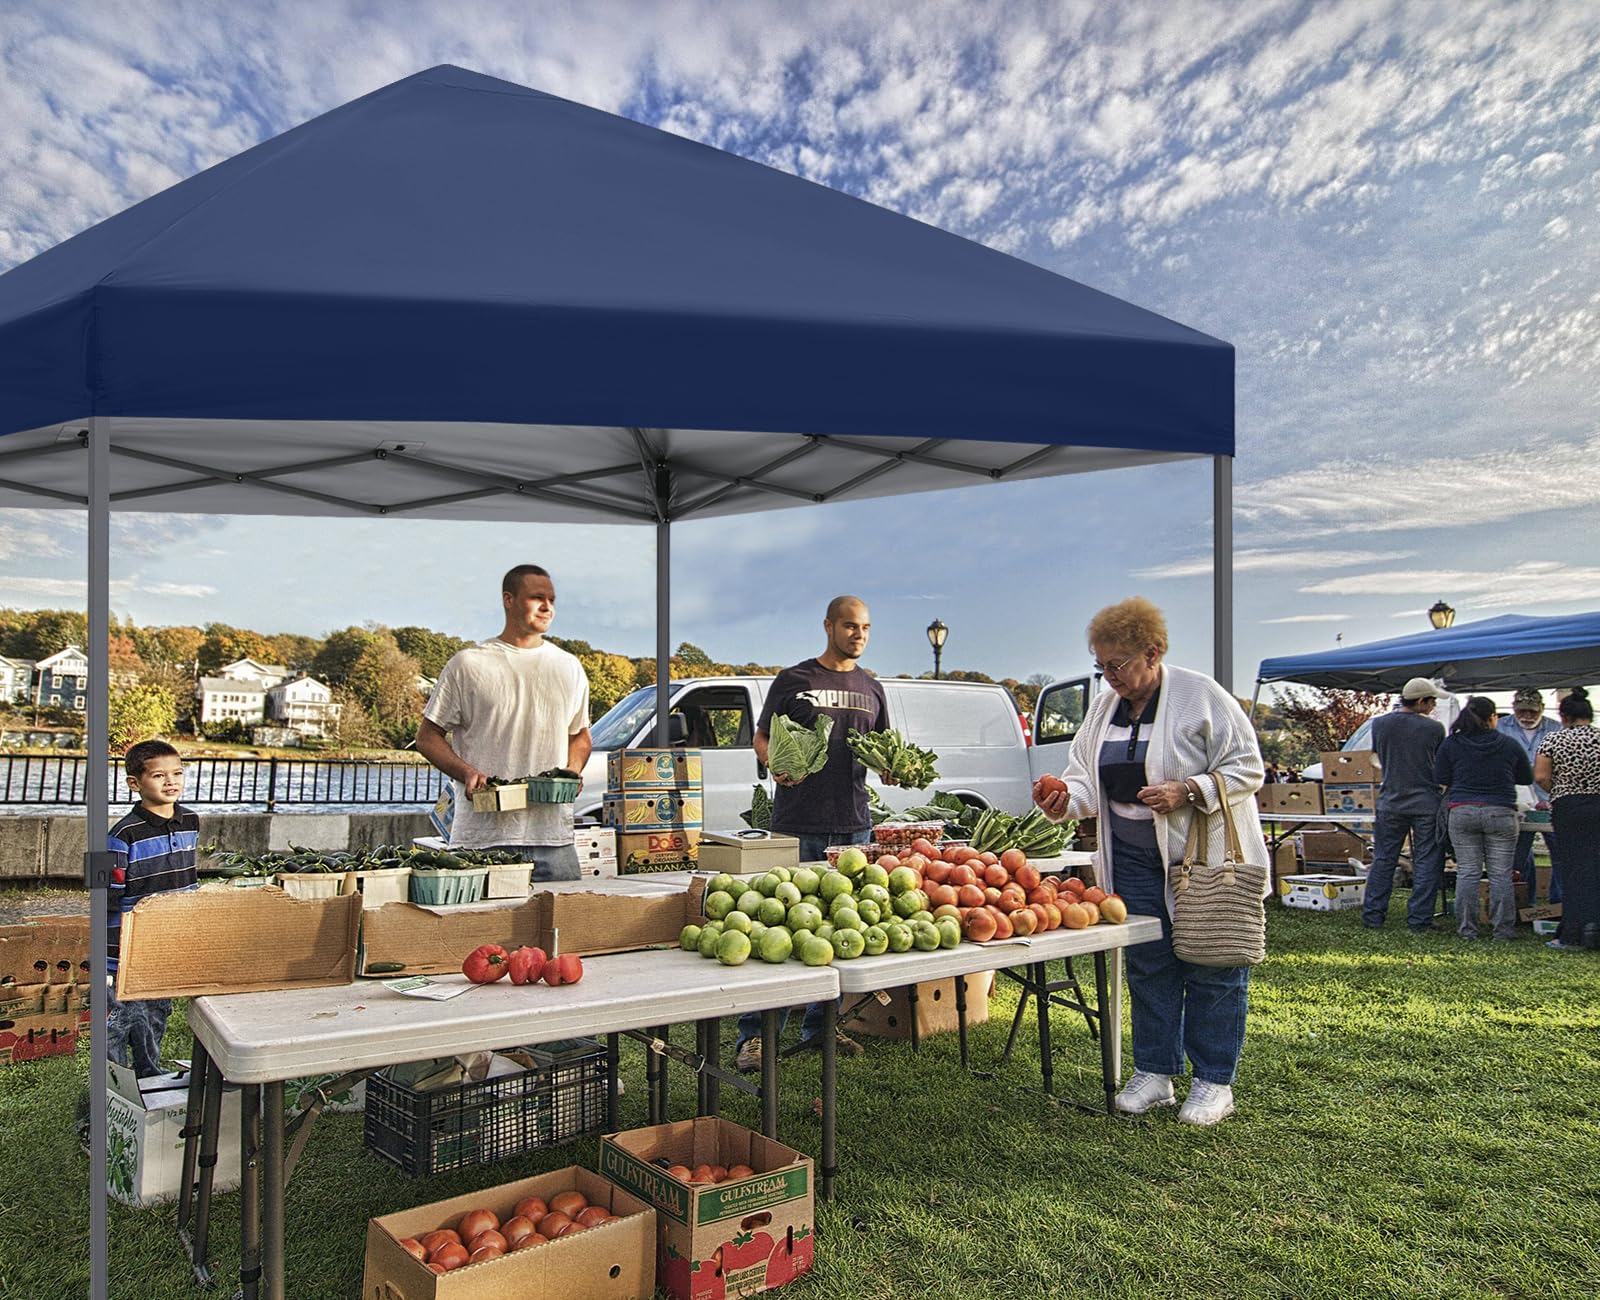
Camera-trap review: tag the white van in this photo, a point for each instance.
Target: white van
(985, 753)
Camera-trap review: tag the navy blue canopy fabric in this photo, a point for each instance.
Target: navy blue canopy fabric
(458, 248)
(1495, 654)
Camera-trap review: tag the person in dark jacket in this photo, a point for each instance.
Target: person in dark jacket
(1481, 769)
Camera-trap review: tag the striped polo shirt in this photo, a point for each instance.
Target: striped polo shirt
(1122, 774)
(155, 855)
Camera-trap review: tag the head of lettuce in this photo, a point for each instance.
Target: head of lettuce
(794, 751)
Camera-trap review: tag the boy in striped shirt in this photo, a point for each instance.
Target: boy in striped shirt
(155, 850)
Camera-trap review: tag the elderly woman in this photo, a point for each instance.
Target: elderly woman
(1568, 765)
(1145, 762)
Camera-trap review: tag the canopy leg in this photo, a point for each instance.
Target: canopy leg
(96, 811)
(1222, 571)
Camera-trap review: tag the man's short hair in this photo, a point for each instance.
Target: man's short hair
(837, 604)
(140, 754)
(511, 584)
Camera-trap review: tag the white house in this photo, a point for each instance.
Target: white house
(252, 670)
(16, 679)
(225, 699)
(304, 704)
(62, 680)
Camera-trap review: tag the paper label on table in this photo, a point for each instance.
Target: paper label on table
(420, 986)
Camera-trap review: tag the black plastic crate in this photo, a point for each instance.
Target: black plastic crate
(471, 1124)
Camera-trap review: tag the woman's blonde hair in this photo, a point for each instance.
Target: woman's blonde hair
(1132, 624)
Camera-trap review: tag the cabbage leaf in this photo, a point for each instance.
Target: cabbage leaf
(795, 751)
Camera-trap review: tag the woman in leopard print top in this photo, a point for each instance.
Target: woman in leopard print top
(1568, 765)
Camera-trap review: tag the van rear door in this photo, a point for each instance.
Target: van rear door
(975, 731)
(1056, 720)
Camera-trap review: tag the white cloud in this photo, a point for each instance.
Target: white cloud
(1310, 618)
(1528, 583)
(1269, 560)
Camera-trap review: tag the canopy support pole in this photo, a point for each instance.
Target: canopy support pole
(663, 486)
(96, 810)
(1254, 700)
(1222, 571)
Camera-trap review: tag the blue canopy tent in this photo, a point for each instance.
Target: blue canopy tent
(1494, 654)
(458, 298)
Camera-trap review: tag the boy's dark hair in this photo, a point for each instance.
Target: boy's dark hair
(140, 754)
(511, 584)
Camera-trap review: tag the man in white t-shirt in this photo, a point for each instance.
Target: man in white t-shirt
(514, 705)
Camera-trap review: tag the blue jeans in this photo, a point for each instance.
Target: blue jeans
(1485, 839)
(1427, 866)
(135, 1029)
(813, 848)
(550, 861)
(1178, 1007)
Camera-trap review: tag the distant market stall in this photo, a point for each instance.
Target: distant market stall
(458, 298)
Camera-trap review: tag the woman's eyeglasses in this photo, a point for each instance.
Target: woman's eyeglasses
(1113, 668)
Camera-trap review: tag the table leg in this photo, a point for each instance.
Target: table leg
(961, 1016)
(1016, 1022)
(830, 1052)
(1111, 1012)
(272, 1188)
(1042, 984)
(713, 1054)
(613, 1069)
(655, 1069)
(771, 1028)
(198, 1066)
(911, 1011)
(249, 1191)
(1110, 1033)
(210, 1133)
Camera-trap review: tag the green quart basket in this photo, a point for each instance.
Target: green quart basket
(439, 886)
(552, 789)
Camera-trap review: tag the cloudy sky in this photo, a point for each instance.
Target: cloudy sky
(1392, 210)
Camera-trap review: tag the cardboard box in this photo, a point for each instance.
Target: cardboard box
(1300, 798)
(734, 1238)
(1349, 798)
(144, 1127)
(676, 849)
(747, 853)
(1322, 893)
(615, 1261)
(500, 798)
(237, 941)
(652, 769)
(1519, 899)
(1351, 767)
(432, 941)
(1333, 846)
(31, 1036)
(594, 842)
(1286, 861)
(1540, 912)
(936, 1009)
(652, 810)
(52, 950)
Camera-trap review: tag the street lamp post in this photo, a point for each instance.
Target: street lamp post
(937, 632)
(1441, 615)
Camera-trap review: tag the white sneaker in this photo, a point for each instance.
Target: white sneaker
(1145, 1091)
(1206, 1104)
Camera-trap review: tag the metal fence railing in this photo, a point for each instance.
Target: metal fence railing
(44, 780)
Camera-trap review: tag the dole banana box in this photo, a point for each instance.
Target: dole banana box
(647, 769)
(651, 810)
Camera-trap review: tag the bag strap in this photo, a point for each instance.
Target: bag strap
(1234, 850)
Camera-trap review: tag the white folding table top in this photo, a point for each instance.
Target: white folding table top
(266, 1037)
(1318, 819)
(891, 970)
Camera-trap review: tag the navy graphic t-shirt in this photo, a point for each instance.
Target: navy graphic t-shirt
(834, 800)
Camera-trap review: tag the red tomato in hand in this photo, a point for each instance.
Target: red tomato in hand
(486, 964)
(565, 969)
(527, 964)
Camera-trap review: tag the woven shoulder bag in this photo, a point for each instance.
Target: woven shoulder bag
(1219, 917)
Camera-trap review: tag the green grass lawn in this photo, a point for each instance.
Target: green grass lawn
(1417, 1118)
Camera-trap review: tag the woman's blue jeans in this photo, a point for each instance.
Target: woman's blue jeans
(1178, 1008)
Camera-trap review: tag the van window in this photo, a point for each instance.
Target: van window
(715, 717)
(956, 717)
(1061, 711)
(624, 718)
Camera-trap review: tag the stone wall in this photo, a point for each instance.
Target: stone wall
(52, 847)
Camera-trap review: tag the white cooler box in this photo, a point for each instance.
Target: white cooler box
(1322, 893)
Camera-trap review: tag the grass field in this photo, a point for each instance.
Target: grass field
(1418, 1117)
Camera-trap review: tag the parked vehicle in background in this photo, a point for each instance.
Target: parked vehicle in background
(1444, 713)
(985, 756)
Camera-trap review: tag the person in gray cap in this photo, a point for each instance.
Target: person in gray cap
(1528, 726)
(1406, 741)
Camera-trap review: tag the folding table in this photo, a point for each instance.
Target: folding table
(259, 1040)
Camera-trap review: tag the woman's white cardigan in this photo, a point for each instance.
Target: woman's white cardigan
(1199, 729)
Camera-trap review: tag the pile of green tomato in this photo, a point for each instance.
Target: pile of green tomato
(815, 915)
